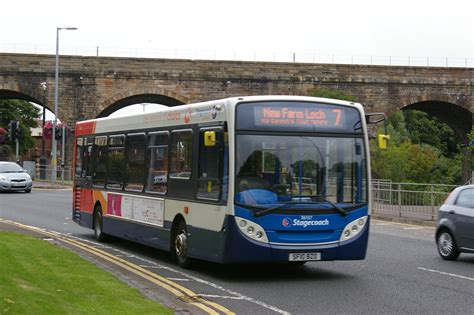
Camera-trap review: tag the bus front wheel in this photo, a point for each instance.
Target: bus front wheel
(180, 245)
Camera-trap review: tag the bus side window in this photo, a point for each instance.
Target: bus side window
(135, 166)
(181, 154)
(99, 161)
(116, 162)
(210, 164)
(157, 152)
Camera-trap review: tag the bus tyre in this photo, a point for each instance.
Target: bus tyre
(98, 225)
(180, 245)
(447, 247)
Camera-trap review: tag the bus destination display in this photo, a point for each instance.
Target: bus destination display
(298, 116)
(291, 116)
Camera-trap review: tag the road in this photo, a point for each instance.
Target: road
(401, 274)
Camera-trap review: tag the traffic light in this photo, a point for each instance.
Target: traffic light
(18, 134)
(13, 126)
(58, 133)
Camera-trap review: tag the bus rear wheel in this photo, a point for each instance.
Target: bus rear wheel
(180, 245)
(99, 234)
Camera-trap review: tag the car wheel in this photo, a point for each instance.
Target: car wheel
(447, 247)
(180, 245)
(99, 234)
(28, 190)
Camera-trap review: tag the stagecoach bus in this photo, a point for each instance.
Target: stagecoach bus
(244, 179)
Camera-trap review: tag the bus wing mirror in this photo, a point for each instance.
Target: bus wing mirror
(209, 138)
(375, 118)
(382, 141)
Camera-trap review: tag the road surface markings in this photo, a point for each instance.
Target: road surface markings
(239, 296)
(412, 228)
(179, 279)
(446, 274)
(150, 267)
(149, 264)
(222, 297)
(179, 291)
(379, 222)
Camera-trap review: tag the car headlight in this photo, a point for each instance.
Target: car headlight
(353, 229)
(3, 178)
(28, 177)
(252, 230)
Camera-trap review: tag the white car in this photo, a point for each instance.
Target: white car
(14, 178)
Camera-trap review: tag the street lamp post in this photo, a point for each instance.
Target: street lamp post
(44, 86)
(55, 121)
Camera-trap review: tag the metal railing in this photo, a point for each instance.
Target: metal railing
(241, 55)
(408, 200)
(44, 173)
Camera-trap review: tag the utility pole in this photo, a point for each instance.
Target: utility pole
(17, 142)
(43, 153)
(63, 144)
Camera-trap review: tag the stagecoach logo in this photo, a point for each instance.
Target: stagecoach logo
(304, 222)
(286, 222)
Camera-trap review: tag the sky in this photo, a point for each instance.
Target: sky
(237, 29)
(363, 27)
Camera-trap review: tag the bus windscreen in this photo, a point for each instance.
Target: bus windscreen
(298, 116)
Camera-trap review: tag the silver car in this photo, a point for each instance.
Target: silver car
(455, 230)
(14, 178)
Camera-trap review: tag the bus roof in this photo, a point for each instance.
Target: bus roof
(187, 114)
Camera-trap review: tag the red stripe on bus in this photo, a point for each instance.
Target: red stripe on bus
(85, 128)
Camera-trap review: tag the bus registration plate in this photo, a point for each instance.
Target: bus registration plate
(304, 256)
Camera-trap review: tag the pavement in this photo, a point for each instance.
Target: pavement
(43, 184)
(410, 220)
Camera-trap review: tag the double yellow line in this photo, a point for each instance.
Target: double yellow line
(179, 291)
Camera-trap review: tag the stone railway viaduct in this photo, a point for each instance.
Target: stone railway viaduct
(92, 87)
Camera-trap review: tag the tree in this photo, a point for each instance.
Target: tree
(425, 129)
(331, 93)
(26, 114)
(406, 162)
(414, 137)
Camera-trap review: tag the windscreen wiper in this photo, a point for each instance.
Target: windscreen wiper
(263, 212)
(322, 199)
(268, 210)
(339, 209)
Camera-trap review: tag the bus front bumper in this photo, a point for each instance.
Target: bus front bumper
(240, 248)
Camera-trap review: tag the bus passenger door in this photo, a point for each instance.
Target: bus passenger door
(83, 178)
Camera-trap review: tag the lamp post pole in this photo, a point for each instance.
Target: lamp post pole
(55, 121)
(44, 86)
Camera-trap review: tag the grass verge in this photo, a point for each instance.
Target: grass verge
(37, 277)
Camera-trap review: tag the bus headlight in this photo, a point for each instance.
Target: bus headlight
(252, 230)
(354, 228)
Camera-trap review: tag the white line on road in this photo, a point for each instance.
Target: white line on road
(222, 296)
(446, 274)
(150, 267)
(412, 228)
(178, 279)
